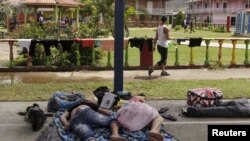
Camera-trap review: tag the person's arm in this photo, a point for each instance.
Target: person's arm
(166, 31)
(104, 111)
(64, 119)
(156, 38)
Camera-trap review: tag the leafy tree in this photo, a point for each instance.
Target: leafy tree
(5, 12)
(179, 18)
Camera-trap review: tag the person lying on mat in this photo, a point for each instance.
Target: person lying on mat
(81, 119)
(136, 115)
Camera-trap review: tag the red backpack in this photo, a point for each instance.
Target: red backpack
(204, 96)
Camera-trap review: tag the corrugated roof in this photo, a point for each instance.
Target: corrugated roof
(52, 2)
(46, 2)
(14, 2)
(70, 2)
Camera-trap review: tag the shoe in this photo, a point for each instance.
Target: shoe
(163, 110)
(169, 117)
(164, 73)
(150, 71)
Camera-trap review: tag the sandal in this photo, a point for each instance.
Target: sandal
(150, 71)
(164, 73)
(169, 117)
(155, 136)
(163, 110)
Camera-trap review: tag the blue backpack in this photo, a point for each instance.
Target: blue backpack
(62, 101)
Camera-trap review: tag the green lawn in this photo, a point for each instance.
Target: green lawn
(153, 89)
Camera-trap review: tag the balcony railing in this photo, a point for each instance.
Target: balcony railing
(214, 10)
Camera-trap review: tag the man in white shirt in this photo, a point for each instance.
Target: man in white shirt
(161, 39)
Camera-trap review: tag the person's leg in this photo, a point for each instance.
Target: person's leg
(83, 131)
(154, 132)
(115, 132)
(164, 62)
(151, 69)
(92, 117)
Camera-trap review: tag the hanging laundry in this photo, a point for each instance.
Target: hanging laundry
(180, 40)
(87, 42)
(97, 43)
(137, 42)
(24, 43)
(47, 43)
(109, 44)
(66, 44)
(150, 44)
(33, 46)
(195, 42)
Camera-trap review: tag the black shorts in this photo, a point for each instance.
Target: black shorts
(163, 53)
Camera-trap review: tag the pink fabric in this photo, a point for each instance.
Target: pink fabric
(136, 115)
(137, 99)
(108, 44)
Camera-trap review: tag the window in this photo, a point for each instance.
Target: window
(246, 6)
(205, 5)
(217, 5)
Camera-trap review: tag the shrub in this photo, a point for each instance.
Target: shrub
(219, 29)
(178, 27)
(39, 55)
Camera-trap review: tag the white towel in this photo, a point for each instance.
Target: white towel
(24, 43)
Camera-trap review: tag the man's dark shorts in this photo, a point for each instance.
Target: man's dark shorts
(164, 54)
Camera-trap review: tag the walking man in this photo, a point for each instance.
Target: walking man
(162, 35)
(191, 26)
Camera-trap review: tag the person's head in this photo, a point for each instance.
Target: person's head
(163, 19)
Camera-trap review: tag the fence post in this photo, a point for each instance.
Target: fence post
(191, 63)
(233, 62)
(11, 43)
(126, 56)
(207, 53)
(176, 56)
(220, 51)
(78, 62)
(93, 56)
(246, 62)
(109, 59)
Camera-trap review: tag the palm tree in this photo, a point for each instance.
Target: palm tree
(127, 13)
(106, 8)
(6, 11)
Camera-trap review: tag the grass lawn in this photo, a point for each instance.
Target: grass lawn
(153, 89)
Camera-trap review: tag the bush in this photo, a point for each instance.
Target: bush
(210, 27)
(219, 29)
(39, 55)
(79, 55)
(177, 27)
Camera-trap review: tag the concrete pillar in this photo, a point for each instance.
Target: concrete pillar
(56, 13)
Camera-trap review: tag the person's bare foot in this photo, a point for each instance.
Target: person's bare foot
(118, 138)
(155, 136)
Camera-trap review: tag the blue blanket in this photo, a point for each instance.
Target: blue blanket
(103, 134)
